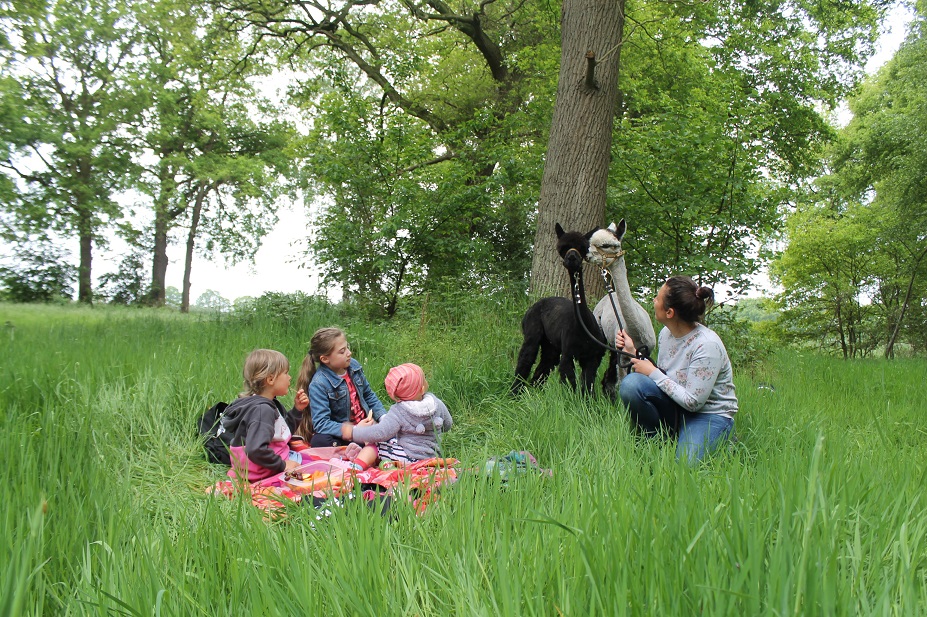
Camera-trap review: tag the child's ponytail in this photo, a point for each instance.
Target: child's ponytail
(305, 429)
(321, 345)
(306, 371)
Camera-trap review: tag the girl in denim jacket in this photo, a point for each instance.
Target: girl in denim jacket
(338, 391)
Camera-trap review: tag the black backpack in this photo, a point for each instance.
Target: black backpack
(216, 446)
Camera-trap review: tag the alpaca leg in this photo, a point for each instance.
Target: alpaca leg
(549, 358)
(621, 373)
(611, 378)
(567, 370)
(589, 370)
(526, 356)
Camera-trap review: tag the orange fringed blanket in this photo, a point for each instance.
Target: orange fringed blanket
(423, 478)
(419, 481)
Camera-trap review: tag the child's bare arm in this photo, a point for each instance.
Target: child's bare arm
(347, 431)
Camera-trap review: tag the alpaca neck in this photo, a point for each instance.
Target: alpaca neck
(637, 321)
(619, 272)
(579, 298)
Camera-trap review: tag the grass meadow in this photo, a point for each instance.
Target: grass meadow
(818, 509)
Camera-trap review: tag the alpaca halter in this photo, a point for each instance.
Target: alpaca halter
(608, 258)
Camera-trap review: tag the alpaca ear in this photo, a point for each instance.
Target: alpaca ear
(558, 229)
(620, 229)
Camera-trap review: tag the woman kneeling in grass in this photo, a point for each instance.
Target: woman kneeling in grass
(693, 393)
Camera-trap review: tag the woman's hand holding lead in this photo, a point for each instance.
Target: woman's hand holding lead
(644, 367)
(623, 341)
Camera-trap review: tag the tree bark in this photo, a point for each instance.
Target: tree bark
(84, 279)
(85, 216)
(890, 346)
(162, 224)
(159, 262)
(201, 192)
(573, 187)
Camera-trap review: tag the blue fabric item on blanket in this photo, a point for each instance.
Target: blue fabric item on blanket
(513, 463)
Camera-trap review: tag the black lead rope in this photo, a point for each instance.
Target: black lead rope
(577, 287)
(644, 352)
(610, 291)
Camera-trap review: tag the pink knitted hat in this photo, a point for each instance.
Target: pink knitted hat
(404, 382)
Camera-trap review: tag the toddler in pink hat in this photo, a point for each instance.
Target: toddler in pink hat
(406, 382)
(411, 428)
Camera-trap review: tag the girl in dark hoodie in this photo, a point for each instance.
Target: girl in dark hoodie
(255, 420)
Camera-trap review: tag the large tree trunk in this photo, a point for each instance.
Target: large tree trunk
(84, 280)
(162, 225)
(159, 264)
(843, 339)
(575, 177)
(201, 192)
(85, 226)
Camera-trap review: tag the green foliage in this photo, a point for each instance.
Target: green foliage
(424, 131)
(130, 283)
(101, 99)
(118, 522)
(757, 309)
(37, 272)
(826, 272)
(427, 133)
(719, 123)
(222, 152)
(426, 149)
(288, 310)
(172, 297)
(411, 209)
(748, 344)
(881, 159)
(65, 136)
(211, 300)
(855, 270)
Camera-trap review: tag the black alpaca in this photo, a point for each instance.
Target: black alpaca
(551, 325)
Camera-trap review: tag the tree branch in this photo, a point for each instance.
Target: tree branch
(444, 157)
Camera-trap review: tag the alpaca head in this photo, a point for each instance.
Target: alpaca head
(573, 248)
(605, 244)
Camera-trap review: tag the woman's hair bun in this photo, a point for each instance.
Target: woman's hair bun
(705, 293)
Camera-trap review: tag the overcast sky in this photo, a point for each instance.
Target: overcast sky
(275, 268)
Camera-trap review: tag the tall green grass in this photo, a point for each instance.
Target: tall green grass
(816, 510)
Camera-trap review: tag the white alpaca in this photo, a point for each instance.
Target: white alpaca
(605, 250)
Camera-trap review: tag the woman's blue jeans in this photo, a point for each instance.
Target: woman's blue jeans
(653, 411)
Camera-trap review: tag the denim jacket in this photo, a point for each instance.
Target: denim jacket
(330, 403)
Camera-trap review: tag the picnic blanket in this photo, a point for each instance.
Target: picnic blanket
(422, 479)
(418, 482)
